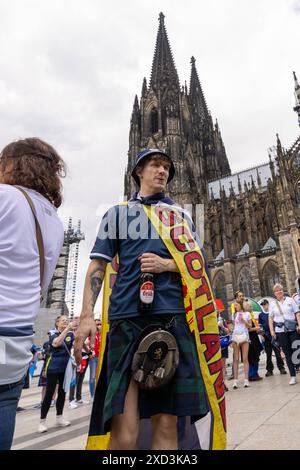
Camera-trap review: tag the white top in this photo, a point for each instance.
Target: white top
(289, 309)
(20, 271)
(239, 326)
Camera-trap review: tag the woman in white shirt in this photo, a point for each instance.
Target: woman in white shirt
(284, 322)
(25, 269)
(240, 340)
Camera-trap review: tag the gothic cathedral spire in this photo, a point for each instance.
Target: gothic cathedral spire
(178, 122)
(297, 96)
(163, 73)
(196, 96)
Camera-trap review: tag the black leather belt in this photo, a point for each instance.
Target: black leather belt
(6, 387)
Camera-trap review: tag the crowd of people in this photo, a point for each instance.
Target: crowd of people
(152, 367)
(276, 329)
(57, 355)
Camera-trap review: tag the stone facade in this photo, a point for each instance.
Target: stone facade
(251, 218)
(45, 322)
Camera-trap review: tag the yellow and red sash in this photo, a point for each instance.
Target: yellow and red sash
(201, 317)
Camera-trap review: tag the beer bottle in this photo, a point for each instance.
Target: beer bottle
(146, 292)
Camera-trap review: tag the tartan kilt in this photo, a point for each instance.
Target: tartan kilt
(183, 396)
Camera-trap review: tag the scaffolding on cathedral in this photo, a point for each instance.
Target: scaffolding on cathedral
(61, 292)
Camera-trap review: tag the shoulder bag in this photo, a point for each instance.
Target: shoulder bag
(239, 338)
(289, 325)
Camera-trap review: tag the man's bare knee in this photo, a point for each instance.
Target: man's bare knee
(124, 434)
(164, 432)
(125, 427)
(123, 439)
(165, 424)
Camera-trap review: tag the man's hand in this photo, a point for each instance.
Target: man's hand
(152, 263)
(86, 328)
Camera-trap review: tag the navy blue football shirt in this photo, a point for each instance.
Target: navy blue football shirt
(126, 230)
(60, 355)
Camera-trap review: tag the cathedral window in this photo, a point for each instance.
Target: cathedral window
(270, 277)
(245, 282)
(219, 287)
(154, 121)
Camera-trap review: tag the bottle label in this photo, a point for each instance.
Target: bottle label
(147, 292)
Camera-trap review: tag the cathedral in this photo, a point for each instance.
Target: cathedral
(251, 219)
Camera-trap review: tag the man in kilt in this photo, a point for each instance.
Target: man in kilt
(119, 402)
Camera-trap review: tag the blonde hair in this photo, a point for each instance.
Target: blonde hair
(237, 304)
(247, 306)
(276, 287)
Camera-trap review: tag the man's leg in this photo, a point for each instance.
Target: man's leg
(8, 408)
(125, 427)
(268, 349)
(284, 341)
(164, 432)
(93, 368)
(279, 360)
(79, 386)
(73, 388)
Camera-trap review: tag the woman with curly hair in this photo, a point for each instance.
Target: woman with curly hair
(31, 238)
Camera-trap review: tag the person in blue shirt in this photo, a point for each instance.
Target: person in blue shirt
(127, 231)
(263, 320)
(61, 342)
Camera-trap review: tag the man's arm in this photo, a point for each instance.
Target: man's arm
(58, 341)
(271, 326)
(92, 287)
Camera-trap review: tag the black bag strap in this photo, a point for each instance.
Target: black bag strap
(39, 237)
(66, 347)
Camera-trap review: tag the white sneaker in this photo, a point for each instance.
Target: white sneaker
(73, 404)
(60, 421)
(246, 383)
(292, 381)
(42, 427)
(82, 402)
(235, 385)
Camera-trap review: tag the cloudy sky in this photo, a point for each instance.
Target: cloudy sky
(70, 70)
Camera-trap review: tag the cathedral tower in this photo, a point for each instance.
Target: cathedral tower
(172, 118)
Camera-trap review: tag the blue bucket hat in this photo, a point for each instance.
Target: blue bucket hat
(146, 153)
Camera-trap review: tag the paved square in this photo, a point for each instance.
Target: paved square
(264, 416)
